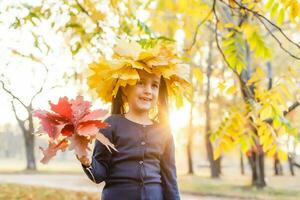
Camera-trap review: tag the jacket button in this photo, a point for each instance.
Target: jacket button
(141, 162)
(143, 143)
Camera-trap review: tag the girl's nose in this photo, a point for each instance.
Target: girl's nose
(147, 88)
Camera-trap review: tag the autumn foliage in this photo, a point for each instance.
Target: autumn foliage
(71, 125)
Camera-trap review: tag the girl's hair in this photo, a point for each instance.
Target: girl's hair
(118, 104)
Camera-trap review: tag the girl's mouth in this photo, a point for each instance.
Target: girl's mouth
(145, 99)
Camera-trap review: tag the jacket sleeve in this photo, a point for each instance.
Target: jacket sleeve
(168, 170)
(99, 168)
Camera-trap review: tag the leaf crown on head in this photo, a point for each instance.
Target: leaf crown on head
(128, 58)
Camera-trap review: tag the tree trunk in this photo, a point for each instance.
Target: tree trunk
(30, 143)
(260, 182)
(29, 147)
(277, 166)
(215, 165)
(189, 149)
(242, 166)
(190, 160)
(256, 161)
(291, 165)
(190, 130)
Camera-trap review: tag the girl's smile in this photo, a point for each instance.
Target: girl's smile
(143, 96)
(146, 99)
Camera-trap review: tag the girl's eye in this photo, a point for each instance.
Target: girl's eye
(155, 85)
(140, 82)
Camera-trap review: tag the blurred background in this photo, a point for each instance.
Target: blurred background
(238, 135)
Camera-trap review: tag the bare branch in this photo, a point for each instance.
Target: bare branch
(11, 94)
(42, 85)
(197, 29)
(33, 58)
(278, 41)
(20, 122)
(291, 108)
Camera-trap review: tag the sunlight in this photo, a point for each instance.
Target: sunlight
(179, 118)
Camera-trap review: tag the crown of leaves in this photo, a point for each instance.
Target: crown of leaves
(128, 58)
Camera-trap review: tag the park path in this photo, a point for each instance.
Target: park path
(75, 182)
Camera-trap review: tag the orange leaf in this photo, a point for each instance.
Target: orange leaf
(52, 149)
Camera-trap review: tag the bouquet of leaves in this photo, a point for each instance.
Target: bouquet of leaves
(71, 125)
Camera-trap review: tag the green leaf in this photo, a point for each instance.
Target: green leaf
(274, 9)
(269, 4)
(280, 16)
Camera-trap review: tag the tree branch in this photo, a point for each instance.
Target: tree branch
(261, 18)
(197, 29)
(20, 122)
(11, 94)
(33, 58)
(277, 40)
(216, 34)
(291, 108)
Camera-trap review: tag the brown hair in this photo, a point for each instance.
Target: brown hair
(118, 104)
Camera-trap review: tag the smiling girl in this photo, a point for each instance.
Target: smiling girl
(143, 167)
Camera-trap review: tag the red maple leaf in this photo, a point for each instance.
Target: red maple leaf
(72, 124)
(63, 108)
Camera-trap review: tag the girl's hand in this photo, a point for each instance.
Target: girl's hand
(84, 160)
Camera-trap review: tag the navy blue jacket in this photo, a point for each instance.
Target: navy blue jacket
(144, 166)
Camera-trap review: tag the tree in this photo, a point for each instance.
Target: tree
(246, 34)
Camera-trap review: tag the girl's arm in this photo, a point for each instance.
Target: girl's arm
(168, 170)
(99, 168)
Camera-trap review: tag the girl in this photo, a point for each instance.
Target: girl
(144, 165)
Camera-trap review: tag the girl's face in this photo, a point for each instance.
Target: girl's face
(143, 96)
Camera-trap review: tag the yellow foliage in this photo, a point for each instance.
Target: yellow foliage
(91, 7)
(294, 10)
(286, 91)
(231, 90)
(257, 76)
(278, 9)
(198, 74)
(110, 75)
(282, 155)
(255, 40)
(266, 112)
(231, 133)
(232, 49)
(271, 152)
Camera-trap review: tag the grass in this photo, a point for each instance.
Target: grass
(25, 192)
(188, 184)
(224, 188)
(232, 184)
